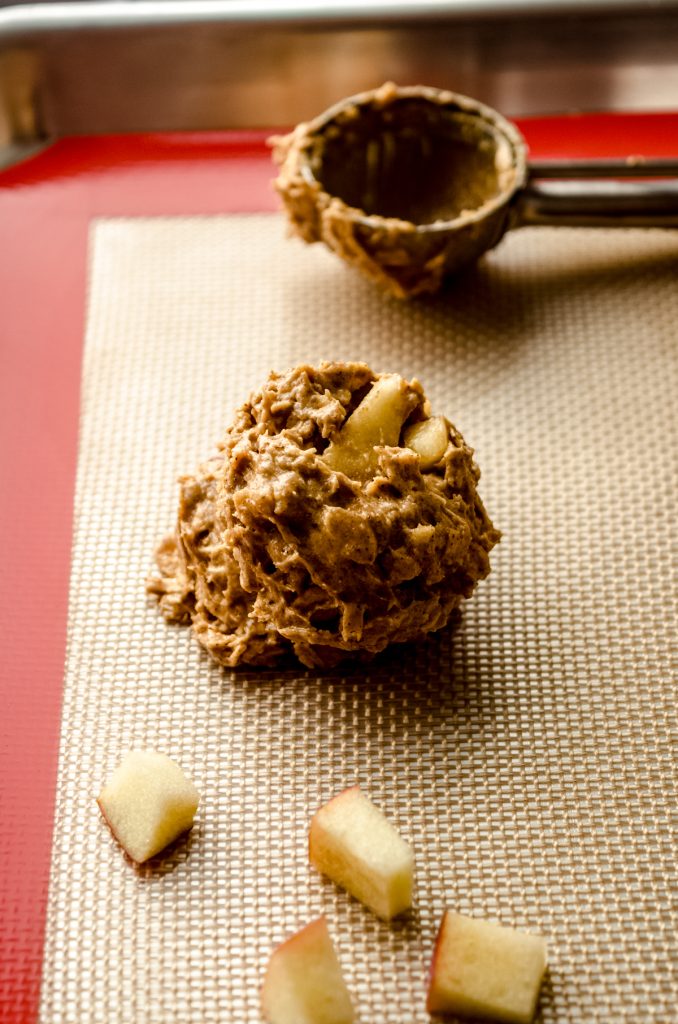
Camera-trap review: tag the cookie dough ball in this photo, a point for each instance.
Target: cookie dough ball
(336, 517)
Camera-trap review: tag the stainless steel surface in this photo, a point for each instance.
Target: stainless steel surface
(121, 67)
(593, 193)
(631, 167)
(121, 12)
(610, 204)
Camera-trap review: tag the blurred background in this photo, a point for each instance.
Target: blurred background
(83, 67)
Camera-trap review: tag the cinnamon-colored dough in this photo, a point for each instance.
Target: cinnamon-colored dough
(275, 552)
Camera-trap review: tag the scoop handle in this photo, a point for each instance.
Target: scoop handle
(592, 194)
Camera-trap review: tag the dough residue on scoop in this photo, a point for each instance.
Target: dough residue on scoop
(314, 529)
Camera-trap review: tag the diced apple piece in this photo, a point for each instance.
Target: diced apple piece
(303, 983)
(376, 421)
(353, 843)
(148, 802)
(428, 439)
(482, 969)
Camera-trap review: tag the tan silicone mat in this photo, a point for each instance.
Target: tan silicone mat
(527, 756)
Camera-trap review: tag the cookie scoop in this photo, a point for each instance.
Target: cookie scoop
(410, 184)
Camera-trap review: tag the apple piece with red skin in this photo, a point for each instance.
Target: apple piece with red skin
(485, 970)
(353, 843)
(148, 802)
(303, 983)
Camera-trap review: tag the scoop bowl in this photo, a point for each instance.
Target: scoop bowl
(408, 184)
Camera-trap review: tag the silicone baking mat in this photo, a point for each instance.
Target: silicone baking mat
(527, 755)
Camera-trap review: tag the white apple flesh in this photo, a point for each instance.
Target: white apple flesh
(429, 439)
(303, 983)
(485, 970)
(377, 421)
(353, 843)
(148, 802)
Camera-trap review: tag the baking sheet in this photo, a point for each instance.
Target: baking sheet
(527, 756)
(82, 68)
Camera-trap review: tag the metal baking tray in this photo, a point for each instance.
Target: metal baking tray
(98, 68)
(83, 68)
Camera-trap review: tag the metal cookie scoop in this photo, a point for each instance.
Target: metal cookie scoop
(410, 184)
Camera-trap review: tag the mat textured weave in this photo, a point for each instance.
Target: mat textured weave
(527, 755)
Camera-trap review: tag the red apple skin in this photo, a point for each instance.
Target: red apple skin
(433, 1005)
(314, 928)
(313, 934)
(113, 832)
(116, 836)
(386, 902)
(122, 845)
(101, 804)
(430, 998)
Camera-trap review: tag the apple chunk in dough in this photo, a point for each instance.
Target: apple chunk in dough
(148, 802)
(353, 843)
(303, 983)
(429, 439)
(483, 969)
(377, 421)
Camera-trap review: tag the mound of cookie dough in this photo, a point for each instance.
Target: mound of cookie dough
(337, 516)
